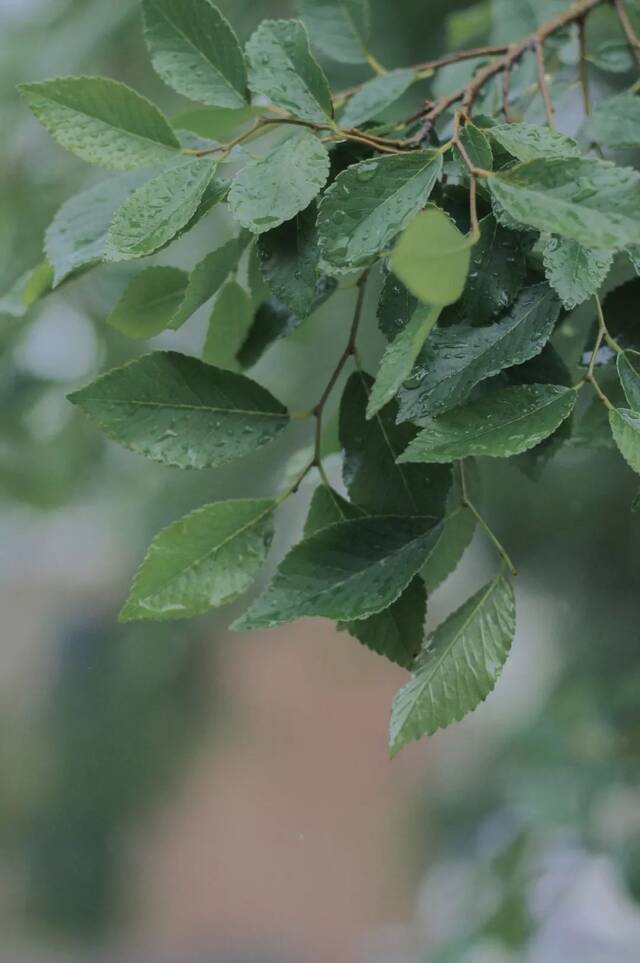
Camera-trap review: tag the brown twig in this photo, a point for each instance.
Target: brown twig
(542, 82)
(467, 94)
(627, 27)
(506, 93)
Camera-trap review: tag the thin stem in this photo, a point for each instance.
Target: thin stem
(375, 64)
(473, 177)
(542, 81)
(348, 352)
(611, 341)
(603, 335)
(466, 501)
(583, 66)
(627, 27)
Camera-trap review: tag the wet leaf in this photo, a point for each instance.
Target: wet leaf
(205, 560)
(499, 425)
(180, 411)
(459, 667)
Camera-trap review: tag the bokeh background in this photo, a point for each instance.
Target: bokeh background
(177, 794)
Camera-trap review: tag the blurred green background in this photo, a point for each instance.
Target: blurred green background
(174, 793)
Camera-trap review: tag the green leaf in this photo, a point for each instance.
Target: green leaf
(457, 358)
(498, 426)
(340, 28)
(376, 95)
(328, 507)
(209, 275)
(591, 201)
(155, 213)
(629, 373)
(369, 203)
(395, 307)
(180, 411)
(149, 302)
(289, 257)
(460, 665)
(527, 142)
(195, 50)
(350, 570)
(615, 122)
(275, 188)
(575, 272)
(372, 476)
(77, 235)
(399, 357)
(477, 147)
(230, 320)
(396, 633)
(431, 257)
(282, 68)
(205, 560)
(102, 121)
(496, 272)
(456, 532)
(625, 427)
(27, 290)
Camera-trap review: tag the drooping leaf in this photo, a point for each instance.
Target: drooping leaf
(588, 200)
(629, 373)
(289, 257)
(575, 272)
(195, 50)
(267, 192)
(376, 95)
(282, 68)
(271, 322)
(625, 427)
(457, 358)
(372, 476)
(350, 570)
(27, 290)
(527, 142)
(180, 411)
(500, 425)
(395, 307)
(459, 667)
(149, 302)
(339, 28)
(327, 508)
(398, 631)
(496, 272)
(205, 560)
(102, 121)
(431, 257)
(78, 233)
(615, 122)
(229, 322)
(209, 275)
(155, 213)
(368, 205)
(399, 357)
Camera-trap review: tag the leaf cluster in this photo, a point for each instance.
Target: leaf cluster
(482, 232)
